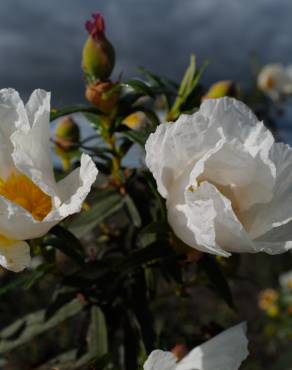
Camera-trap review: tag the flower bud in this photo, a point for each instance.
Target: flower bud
(135, 121)
(100, 95)
(67, 134)
(98, 58)
(179, 350)
(221, 89)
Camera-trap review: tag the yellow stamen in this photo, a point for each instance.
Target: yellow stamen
(19, 189)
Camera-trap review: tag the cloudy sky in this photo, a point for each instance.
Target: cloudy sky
(41, 41)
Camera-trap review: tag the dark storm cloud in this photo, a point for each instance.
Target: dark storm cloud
(41, 41)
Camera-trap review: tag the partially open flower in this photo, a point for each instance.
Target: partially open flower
(226, 351)
(31, 200)
(98, 57)
(275, 80)
(226, 182)
(221, 89)
(103, 95)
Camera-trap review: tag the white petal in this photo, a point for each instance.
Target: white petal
(175, 146)
(247, 180)
(277, 240)
(229, 233)
(263, 218)
(38, 106)
(14, 255)
(192, 222)
(233, 116)
(32, 154)
(224, 352)
(18, 223)
(12, 116)
(74, 188)
(160, 360)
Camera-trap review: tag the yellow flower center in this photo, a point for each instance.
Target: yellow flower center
(19, 189)
(270, 83)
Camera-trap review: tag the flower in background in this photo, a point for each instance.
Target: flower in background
(227, 184)
(275, 80)
(285, 280)
(31, 200)
(226, 351)
(268, 301)
(98, 58)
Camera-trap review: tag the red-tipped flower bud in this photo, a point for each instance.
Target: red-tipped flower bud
(103, 95)
(98, 57)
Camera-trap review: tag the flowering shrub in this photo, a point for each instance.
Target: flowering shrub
(116, 250)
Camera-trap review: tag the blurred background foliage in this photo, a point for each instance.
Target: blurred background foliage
(109, 285)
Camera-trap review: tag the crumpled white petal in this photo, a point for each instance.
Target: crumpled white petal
(226, 351)
(14, 254)
(160, 360)
(224, 145)
(31, 154)
(12, 116)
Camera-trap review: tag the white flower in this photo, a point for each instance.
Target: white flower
(224, 352)
(275, 80)
(31, 202)
(227, 184)
(285, 280)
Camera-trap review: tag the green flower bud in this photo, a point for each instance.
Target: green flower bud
(67, 133)
(98, 57)
(67, 136)
(221, 89)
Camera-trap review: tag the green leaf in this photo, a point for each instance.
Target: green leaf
(69, 361)
(132, 211)
(106, 206)
(37, 274)
(140, 87)
(154, 232)
(188, 77)
(136, 137)
(140, 306)
(61, 298)
(33, 325)
(57, 113)
(161, 81)
(15, 283)
(27, 280)
(67, 243)
(213, 270)
(97, 334)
